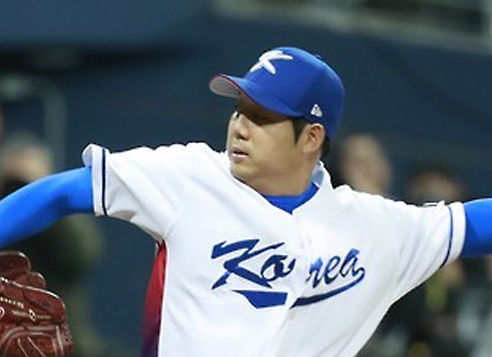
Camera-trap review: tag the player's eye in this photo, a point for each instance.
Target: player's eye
(254, 115)
(237, 110)
(259, 119)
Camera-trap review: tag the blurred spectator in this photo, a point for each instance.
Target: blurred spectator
(1, 121)
(64, 253)
(432, 182)
(360, 161)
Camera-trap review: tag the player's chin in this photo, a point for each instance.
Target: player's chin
(240, 171)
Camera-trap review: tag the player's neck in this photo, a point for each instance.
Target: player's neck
(283, 185)
(283, 190)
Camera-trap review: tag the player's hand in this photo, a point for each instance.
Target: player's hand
(33, 320)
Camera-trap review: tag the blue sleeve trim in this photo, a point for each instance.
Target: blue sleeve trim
(450, 242)
(478, 233)
(38, 205)
(103, 181)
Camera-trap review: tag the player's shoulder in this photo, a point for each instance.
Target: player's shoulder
(180, 152)
(191, 148)
(200, 148)
(192, 155)
(348, 195)
(200, 152)
(371, 202)
(198, 157)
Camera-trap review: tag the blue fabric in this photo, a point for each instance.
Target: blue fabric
(38, 205)
(301, 79)
(478, 234)
(290, 203)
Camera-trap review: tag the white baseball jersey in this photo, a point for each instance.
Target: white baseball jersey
(244, 278)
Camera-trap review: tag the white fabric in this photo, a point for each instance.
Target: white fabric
(340, 260)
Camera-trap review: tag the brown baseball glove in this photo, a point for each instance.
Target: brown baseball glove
(33, 320)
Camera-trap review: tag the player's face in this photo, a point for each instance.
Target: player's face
(262, 149)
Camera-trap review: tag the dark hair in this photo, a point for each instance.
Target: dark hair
(299, 125)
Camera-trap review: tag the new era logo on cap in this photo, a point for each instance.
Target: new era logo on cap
(316, 111)
(292, 82)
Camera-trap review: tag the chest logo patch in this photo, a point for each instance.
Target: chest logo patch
(333, 276)
(259, 266)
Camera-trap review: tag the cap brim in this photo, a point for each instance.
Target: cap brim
(230, 86)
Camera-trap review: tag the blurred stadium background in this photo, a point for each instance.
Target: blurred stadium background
(418, 74)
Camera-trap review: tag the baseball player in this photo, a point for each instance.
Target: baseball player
(257, 254)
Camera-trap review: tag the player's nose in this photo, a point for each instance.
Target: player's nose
(241, 125)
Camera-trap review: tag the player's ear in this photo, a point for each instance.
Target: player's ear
(314, 135)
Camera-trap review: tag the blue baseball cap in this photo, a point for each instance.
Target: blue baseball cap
(292, 82)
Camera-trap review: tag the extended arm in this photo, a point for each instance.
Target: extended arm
(41, 203)
(478, 235)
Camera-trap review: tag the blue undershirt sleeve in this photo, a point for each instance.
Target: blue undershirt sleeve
(478, 233)
(38, 205)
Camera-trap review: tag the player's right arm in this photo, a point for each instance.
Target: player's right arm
(38, 205)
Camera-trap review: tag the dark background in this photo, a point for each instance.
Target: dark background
(128, 73)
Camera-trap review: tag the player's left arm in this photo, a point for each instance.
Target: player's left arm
(478, 233)
(41, 203)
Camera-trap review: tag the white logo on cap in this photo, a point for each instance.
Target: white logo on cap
(265, 60)
(316, 111)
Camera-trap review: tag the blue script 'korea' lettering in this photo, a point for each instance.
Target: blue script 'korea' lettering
(271, 268)
(343, 271)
